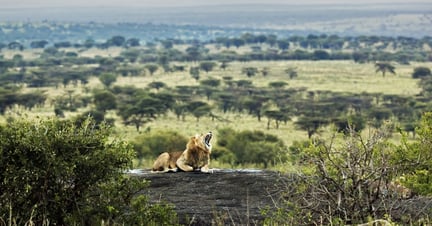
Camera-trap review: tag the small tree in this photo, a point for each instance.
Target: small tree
(157, 85)
(199, 109)
(265, 71)
(250, 71)
(384, 67)
(207, 66)
(108, 79)
(104, 100)
(310, 124)
(278, 85)
(152, 68)
(195, 73)
(291, 72)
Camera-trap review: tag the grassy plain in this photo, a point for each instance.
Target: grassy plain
(337, 76)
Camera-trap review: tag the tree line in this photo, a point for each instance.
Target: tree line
(276, 103)
(312, 47)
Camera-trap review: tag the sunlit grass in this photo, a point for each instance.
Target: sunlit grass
(336, 76)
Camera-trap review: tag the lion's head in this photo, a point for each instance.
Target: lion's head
(200, 142)
(199, 148)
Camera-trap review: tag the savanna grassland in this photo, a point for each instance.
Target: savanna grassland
(346, 118)
(340, 76)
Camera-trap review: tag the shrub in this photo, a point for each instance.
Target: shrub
(420, 72)
(154, 143)
(254, 147)
(67, 173)
(416, 158)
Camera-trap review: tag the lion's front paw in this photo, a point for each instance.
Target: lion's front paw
(206, 170)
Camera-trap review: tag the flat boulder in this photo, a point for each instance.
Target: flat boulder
(222, 197)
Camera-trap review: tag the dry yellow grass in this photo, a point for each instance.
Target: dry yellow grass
(337, 76)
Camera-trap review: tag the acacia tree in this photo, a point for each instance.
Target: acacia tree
(141, 110)
(207, 66)
(152, 68)
(195, 73)
(104, 100)
(310, 124)
(275, 115)
(107, 79)
(199, 109)
(384, 67)
(249, 71)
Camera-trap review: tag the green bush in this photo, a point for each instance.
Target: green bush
(67, 173)
(421, 72)
(416, 158)
(153, 144)
(255, 147)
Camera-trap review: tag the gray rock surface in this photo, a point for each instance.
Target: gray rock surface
(224, 197)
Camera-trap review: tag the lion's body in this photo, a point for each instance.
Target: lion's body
(195, 156)
(167, 161)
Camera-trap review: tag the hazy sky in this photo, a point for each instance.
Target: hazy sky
(163, 3)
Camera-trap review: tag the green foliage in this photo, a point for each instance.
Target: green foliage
(199, 109)
(108, 79)
(156, 85)
(104, 100)
(292, 72)
(416, 158)
(152, 68)
(154, 143)
(250, 71)
(67, 173)
(137, 107)
(211, 82)
(420, 72)
(207, 66)
(116, 41)
(278, 84)
(254, 147)
(195, 73)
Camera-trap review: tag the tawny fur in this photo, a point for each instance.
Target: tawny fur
(195, 156)
(166, 161)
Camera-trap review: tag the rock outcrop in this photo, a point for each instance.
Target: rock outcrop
(222, 197)
(237, 197)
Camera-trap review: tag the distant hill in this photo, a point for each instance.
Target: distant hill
(400, 19)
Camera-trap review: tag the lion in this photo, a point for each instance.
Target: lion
(196, 156)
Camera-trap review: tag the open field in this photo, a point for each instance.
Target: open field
(336, 76)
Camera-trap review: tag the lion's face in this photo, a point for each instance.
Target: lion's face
(201, 141)
(207, 139)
